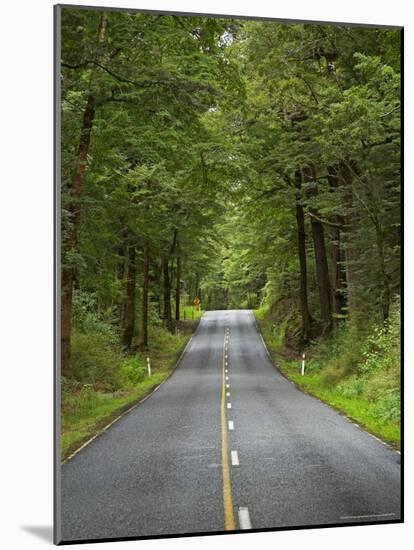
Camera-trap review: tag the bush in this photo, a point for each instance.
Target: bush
(353, 387)
(93, 361)
(388, 407)
(85, 318)
(342, 366)
(382, 348)
(381, 382)
(134, 370)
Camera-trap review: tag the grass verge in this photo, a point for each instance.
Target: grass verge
(86, 410)
(357, 408)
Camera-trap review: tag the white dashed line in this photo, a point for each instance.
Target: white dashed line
(227, 385)
(228, 394)
(231, 425)
(244, 518)
(229, 405)
(227, 377)
(234, 458)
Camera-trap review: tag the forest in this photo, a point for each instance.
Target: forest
(246, 164)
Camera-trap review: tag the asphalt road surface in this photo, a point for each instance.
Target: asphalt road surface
(227, 443)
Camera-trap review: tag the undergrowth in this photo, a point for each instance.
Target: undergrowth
(106, 380)
(356, 370)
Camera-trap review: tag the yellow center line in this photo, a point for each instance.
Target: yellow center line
(229, 524)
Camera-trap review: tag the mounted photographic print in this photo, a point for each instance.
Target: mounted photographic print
(228, 274)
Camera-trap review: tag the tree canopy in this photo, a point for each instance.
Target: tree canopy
(240, 162)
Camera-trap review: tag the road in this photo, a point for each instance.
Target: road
(227, 443)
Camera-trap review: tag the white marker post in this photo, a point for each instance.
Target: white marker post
(149, 366)
(303, 364)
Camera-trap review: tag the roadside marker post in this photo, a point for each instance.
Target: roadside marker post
(149, 366)
(303, 364)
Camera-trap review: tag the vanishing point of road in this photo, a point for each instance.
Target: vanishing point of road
(227, 443)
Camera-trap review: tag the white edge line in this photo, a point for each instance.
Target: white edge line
(320, 400)
(244, 518)
(368, 516)
(105, 428)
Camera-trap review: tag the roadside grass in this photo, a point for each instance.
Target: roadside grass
(190, 313)
(89, 407)
(330, 383)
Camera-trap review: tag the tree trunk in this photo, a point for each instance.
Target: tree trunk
(196, 286)
(129, 320)
(350, 251)
(322, 273)
(338, 273)
(303, 292)
(178, 289)
(145, 286)
(167, 295)
(322, 270)
(304, 308)
(386, 291)
(68, 273)
(338, 299)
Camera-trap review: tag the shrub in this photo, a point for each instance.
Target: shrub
(333, 374)
(134, 370)
(388, 407)
(380, 382)
(94, 361)
(86, 320)
(382, 347)
(353, 387)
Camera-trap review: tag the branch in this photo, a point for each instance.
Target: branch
(389, 112)
(325, 222)
(78, 66)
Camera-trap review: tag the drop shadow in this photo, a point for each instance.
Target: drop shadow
(43, 532)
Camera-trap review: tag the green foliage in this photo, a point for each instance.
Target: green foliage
(388, 406)
(382, 348)
(359, 373)
(106, 382)
(87, 320)
(95, 362)
(134, 370)
(209, 137)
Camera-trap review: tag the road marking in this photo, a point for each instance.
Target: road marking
(231, 425)
(244, 518)
(105, 428)
(226, 371)
(227, 385)
(228, 394)
(229, 405)
(234, 458)
(226, 356)
(369, 516)
(229, 522)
